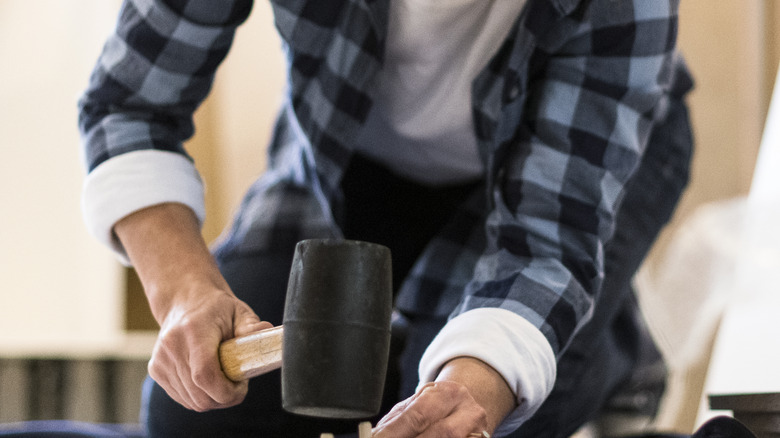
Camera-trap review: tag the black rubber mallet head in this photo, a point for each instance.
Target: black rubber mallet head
(334, 342)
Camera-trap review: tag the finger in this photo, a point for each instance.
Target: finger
(199, 389)
(196, 395)
(221, 391)
(207, 375)
(170, 367)
(174, 393)
(437, 400)
(466, 416)
(440, 410)
(176, 377)
(172, 387)
(399, 408)
(246, 321)
(394, 412)
(415, 415)
(461, 424)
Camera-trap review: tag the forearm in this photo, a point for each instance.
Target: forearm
(168, 252)
(190, 300)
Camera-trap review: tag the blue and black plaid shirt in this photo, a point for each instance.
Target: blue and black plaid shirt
(563, 114)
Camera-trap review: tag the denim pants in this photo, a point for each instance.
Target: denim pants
(382, 208)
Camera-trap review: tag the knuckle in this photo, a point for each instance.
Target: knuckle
(160, 365)
(236, 399)
(416, 420)
(202, 377)
(198, 408)
(238, 395)
(481, 417)
(188, 324)
(168, 342)
(173, 332)
(448, 388)
(461, 392)
(225, 399)
(155, 370)
(203, 404)
(220, 394)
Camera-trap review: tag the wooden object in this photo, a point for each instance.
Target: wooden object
(252, 355)
(364, 430)
(759, 412)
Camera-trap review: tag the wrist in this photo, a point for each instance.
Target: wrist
(186, 291)
(485, 384)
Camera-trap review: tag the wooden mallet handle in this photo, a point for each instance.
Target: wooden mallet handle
(252, 355)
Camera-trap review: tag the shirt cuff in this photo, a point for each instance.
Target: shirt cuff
(133, 181)
(510, 344)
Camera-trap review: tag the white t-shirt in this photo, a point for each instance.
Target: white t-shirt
(421, 127)
(421, 123)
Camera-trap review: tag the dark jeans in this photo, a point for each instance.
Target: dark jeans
(402, 215)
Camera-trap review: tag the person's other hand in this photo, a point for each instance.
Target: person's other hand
(468, 397)
(441, 410)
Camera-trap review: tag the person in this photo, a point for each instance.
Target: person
(518, 158)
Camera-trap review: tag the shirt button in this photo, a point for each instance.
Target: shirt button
(514, 92)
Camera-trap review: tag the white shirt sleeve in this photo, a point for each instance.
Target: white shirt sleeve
(508, 343)
(135, 180)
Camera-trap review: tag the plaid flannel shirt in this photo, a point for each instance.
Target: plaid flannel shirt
(562, 114)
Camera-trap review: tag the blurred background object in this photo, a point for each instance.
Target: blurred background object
(75, 330)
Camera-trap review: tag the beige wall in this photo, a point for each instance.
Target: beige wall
(733, 49)
(58, 287)
(728, 46)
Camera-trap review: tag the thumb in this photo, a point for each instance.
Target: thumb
(246, 321)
